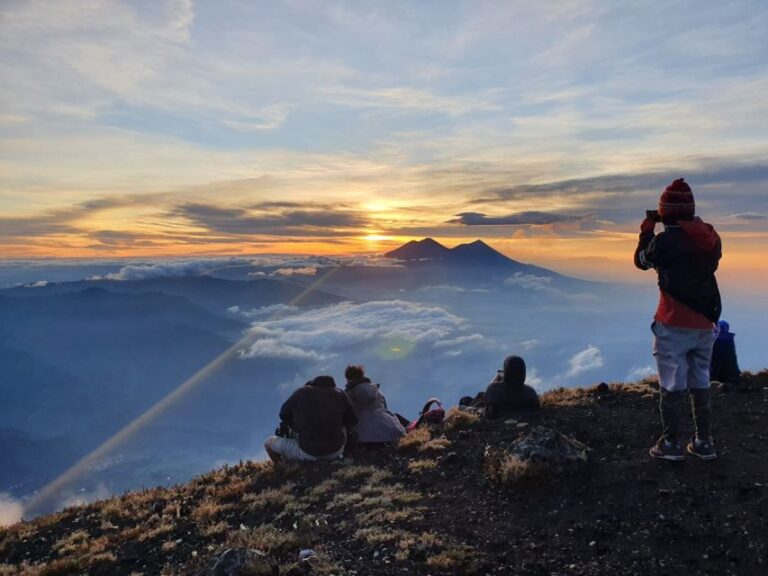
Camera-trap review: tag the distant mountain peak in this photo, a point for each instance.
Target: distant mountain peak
(428, 249)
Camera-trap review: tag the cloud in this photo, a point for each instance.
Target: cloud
(718, 183)
(172, 268)
(305, 271)
(268, 118)
(639, 373)
(11, 510)
(271, 310)
(750, 216)
(542, 285)
(321, 333)
(410, 99)
(588, 359)
(310, 222)
(273, 348)
(533, 379)
(529, 344)
(516, 219)
(451, 288)
(460, 340)
(531, 282)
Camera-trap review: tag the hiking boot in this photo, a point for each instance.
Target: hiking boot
(666, 450)
(704, 449)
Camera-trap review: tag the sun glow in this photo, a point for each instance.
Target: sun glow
(378, 238)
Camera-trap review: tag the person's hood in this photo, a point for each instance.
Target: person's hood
(363, 391)
(702, 234)
(357, 381)
(322, 382)
(514, 371)
(723, 332)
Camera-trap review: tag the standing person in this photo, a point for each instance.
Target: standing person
(376, 424)
(685, 255)
(724, 367)
(319, 415)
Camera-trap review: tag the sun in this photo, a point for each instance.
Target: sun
(376, 238)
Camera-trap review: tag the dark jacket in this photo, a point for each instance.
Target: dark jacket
(724, 366)
(685, 257)
(508, 392)
(319, 413)
(375, 423)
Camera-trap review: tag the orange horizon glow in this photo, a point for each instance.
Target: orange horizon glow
(605, 258)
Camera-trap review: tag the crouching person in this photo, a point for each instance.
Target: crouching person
(319, 414)
(724, 366)
(508, 392)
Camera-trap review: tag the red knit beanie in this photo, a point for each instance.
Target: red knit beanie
(676, 202)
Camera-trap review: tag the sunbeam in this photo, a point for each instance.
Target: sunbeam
(51, 491)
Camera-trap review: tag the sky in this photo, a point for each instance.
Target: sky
(181, 128)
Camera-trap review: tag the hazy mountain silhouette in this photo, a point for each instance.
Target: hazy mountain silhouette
(214, 294)
(477, 253)
(426, 249)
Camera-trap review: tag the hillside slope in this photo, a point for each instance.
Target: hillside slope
(438, 505)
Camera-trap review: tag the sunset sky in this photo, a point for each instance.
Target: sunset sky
(162, 128)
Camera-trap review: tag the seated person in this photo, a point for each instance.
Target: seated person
(724, 367)
(319, 414)
(375, 424)
(508, 391)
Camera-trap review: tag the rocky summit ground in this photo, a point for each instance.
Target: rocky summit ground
(449, 500)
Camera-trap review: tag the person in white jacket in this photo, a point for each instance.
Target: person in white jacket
(376, 424)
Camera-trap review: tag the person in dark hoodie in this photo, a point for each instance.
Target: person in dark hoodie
(724, 367)
(685, 255)
(375, 424)
(508, 392)
(319, 415)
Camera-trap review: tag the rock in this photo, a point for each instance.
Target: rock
(241, 562)
(547, 446)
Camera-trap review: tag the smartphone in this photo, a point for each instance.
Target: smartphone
(653, 215)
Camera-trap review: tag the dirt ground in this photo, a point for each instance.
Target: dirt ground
(430, 507)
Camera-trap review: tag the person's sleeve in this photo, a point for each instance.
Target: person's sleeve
(350, 414)
(646, 252)
(717, 253)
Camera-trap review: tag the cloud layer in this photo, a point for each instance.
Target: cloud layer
(319, 334)
(11, 510)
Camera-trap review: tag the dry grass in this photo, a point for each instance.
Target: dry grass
(456, 558)
(208, 511)
(376, 535)
(509, 470)
(456, 419)
(413, 440)
(423, 465)
(348, 473)
(213, 530)
(265, 538)
(233, 491)
(564, 397)
(421, 439)
(270, 498)
(78, 542)
(323, 491)
(385, 516)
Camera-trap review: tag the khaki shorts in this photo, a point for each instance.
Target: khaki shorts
(289, 449)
